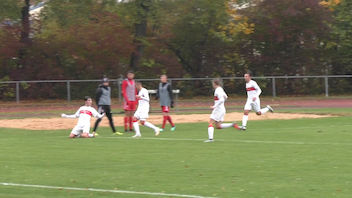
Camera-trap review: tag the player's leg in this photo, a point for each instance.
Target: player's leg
(150, 125)
(221, 125)
(100, 110)
(76, 132)
(136, 127)
(247, 109)
(86, 134)
(108, 114)
(164, 118)
(211, 130)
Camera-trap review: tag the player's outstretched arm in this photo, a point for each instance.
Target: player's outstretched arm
(76, 115)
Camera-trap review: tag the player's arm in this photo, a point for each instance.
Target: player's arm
(124, 93)
(171, 95)
(221, 100)
(76, 115)
(98, 94)
(144, 96)
(96, 114)
(157, 94)
(259, 91)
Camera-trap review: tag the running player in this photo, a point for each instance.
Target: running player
(84, 114)
(219, 111)
(164, 94)
(142, 111)
(253, 100)
(129, 92)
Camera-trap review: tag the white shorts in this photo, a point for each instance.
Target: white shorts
(252, 105)
(78, 130)
(141, 114)
(218, 115)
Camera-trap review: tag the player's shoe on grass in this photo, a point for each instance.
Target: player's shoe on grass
(243, 128)
(173, 129)
(236, 126)
(270, 108)
(161, 130)
(208, 141)
(117, 133)
(157, 131)
(136, 136)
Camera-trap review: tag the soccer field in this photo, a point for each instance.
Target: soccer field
(273, 158)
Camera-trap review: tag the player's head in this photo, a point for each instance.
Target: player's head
(88, 100)
(216, 83)
(105, 81)
(248, 76)
(130, 75)
(139, 85)
(163, 78)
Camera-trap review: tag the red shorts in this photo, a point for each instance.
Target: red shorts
(165, 109)
(131, 106)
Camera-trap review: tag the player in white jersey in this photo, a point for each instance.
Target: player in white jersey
(142, 112)
(253, 100)
(219, 111)
(84, 115)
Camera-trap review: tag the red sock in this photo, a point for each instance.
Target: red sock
(170, 120)
(131, 125)
(126, 122)
(164, 122)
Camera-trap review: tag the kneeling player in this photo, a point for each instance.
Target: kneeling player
(83, 114)
(142, 111)
(219, 111)
(253, 100)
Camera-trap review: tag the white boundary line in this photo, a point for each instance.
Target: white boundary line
(239, 141)
(101, 190)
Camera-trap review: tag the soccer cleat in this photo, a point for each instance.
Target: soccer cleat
(157, 132)
(161, 130)
(243, 128)
(136, 136)
(270, 108)
(117, 133)
(173, 128)
(209, 141)
(236, 126)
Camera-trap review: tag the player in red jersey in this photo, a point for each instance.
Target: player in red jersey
(129, 93)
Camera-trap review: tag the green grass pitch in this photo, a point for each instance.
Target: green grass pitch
(276, 158)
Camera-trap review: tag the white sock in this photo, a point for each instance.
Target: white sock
(264, 110)
(211, 133)
(90, 135)
(136, 128)
(226, 125)
(150, 125)
(244, 120)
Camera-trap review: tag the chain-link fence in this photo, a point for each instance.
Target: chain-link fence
(189, 87)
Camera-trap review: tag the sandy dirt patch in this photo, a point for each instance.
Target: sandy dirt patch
(63, 123)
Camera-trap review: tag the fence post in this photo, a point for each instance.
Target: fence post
(274, 87)
(326, 86)
(17, 92)
(68, 87)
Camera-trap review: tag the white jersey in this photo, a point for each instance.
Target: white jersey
(253, 90)
(84, 115)
(219, 98)
(142, 112)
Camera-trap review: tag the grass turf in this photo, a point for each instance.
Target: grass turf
(274, 158)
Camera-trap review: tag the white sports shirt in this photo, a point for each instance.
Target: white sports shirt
(84, 115)
(219, 98)
(253, 90)
(143, 102)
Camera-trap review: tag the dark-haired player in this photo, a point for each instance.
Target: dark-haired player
(253, 100)
(84, 115)
(129, 93)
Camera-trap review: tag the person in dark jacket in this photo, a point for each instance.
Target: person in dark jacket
(103, 100)
(165, 96)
